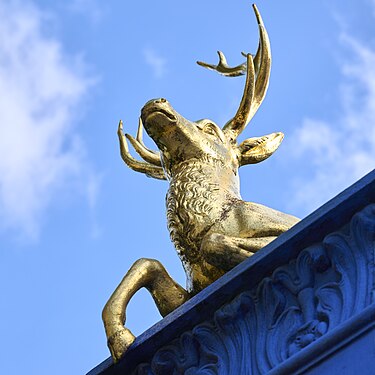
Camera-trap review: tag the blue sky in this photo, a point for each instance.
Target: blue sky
(73, 218)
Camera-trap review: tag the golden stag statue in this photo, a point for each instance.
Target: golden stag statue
(212, 228)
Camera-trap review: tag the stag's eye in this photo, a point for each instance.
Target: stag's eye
(210, 129)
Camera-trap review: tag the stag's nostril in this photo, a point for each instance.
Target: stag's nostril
(162, 100)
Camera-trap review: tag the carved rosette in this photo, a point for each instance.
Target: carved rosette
(328, 283)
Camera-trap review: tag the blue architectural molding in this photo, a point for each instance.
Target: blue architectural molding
(274, 309)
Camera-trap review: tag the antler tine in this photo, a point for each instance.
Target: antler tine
(235, 126)
(263, 75)
(143, 152)
(138, 166)
(258, 72)
(223, 68)
(139, 136)
(153, 156)
(140, 131)
(256, 58)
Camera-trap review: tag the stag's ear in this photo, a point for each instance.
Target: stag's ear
(255, 150)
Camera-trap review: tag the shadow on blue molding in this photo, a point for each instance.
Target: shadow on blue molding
(312, 285)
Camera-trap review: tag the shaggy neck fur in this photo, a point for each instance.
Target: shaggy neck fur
(192, 205)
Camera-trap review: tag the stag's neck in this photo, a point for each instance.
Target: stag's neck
(197, 196)
(211, 175)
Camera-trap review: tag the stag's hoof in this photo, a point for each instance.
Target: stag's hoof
(119, 342)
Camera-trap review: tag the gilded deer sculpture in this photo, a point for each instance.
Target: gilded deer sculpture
(212, 228)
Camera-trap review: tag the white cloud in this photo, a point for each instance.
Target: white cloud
(155, 61)
(39, 93)
(340, 152)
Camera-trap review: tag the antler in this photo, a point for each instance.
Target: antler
(223, 68)
(144, 152)
(257, 76)
(138, 166)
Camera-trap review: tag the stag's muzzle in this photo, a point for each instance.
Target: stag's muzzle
(159, 108)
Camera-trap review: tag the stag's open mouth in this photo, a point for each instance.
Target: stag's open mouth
(166, 113)
(153, 111)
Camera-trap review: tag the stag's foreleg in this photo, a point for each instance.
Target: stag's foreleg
(147, 273)
(247, 228)
(225, 252)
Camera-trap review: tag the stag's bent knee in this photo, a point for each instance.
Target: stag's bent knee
(148, 265)
(149, 268)
(143, 272)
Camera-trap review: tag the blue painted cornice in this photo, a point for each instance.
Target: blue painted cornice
(300, 298)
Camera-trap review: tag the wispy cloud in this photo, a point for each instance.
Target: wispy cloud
(156, 62)
(343, 151)
(39, 91)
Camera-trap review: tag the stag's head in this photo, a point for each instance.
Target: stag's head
(179, 139)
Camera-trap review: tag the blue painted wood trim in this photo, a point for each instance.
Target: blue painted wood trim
(327, 219)
(329, 344)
